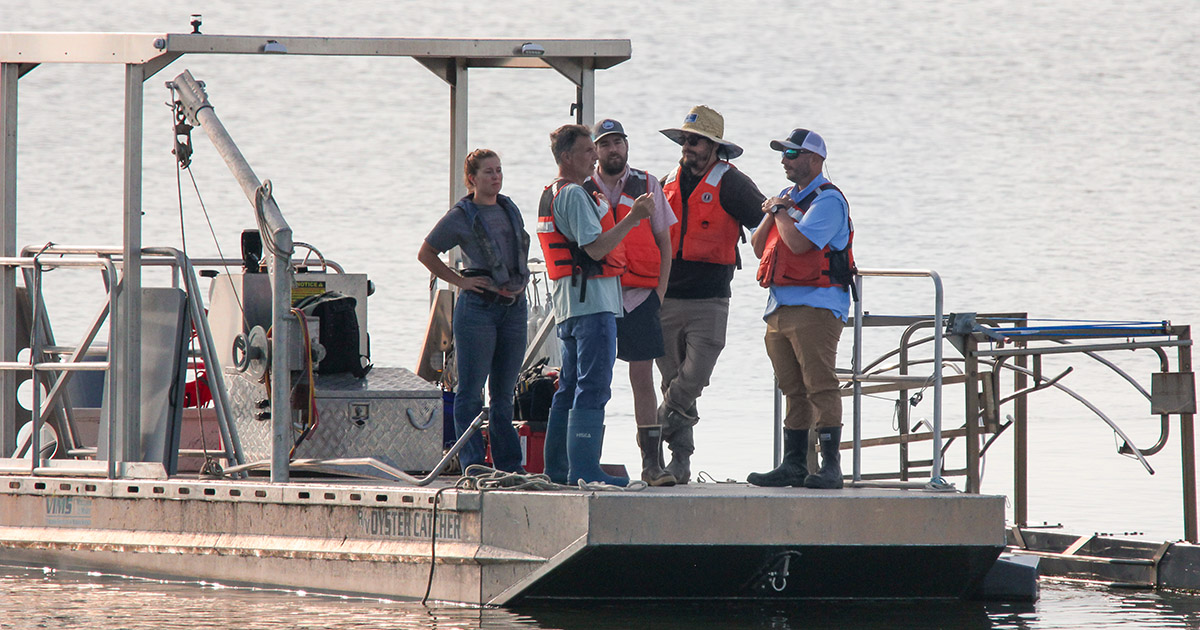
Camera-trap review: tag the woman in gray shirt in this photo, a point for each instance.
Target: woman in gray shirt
(490, 312)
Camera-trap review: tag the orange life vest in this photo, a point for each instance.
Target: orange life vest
(642, 258)
(705, 232)
(564, 257)
(825, 267)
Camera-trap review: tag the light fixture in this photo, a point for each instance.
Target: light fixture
(532, 49)
(273, 46)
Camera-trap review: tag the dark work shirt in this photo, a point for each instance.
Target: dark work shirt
(741, 199)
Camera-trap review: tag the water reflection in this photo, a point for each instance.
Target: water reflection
(791, 616)
(46, 598)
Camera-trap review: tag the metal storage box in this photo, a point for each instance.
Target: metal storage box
(390, 414)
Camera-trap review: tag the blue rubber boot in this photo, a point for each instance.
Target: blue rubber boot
(554, 453)
(585, 438)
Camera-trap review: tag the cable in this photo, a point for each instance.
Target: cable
(311, 417)
(437, 498)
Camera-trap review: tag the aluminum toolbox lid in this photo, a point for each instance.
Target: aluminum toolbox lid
(380, 382)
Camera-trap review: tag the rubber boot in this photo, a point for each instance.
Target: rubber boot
(585, 439)
(650, 441)
(677, 433)
(829, 477)
(554, 452)
(682, 446)
(793, 470)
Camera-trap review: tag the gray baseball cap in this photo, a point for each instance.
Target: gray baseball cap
(605, 127)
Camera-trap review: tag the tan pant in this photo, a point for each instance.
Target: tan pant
(802, 342)
(693, 337)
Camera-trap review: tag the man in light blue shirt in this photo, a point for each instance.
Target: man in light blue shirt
(804, 243)
(584, 261)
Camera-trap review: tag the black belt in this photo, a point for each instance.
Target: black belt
(493, 297)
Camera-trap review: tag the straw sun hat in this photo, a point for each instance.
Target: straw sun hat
(705, 121)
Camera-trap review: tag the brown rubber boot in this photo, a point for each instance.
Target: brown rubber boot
(650, 441)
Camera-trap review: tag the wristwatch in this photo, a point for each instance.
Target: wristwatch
(777, 207)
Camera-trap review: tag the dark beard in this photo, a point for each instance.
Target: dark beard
(610, 170)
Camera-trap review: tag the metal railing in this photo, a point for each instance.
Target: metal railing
(108, 259)
(857, 377)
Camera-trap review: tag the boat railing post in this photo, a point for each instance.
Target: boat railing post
(935, 473)
(856, 368)
(1021, 435)
(35, 356)
(777, 451)
(9, 74)
(1187, 439)
(108, 421)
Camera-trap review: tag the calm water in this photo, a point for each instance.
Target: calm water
(1040, 157)
(61, 599)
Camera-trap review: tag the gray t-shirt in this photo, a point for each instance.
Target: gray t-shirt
(454, 230)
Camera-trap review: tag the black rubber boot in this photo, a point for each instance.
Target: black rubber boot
(650, 441)
(793, 470)
(829, 477)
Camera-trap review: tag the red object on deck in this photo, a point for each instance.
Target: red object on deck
(532, 445)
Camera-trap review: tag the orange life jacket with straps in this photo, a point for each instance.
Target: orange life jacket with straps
(642, 257)
(564, 257)
(705, 232)
(825, 267)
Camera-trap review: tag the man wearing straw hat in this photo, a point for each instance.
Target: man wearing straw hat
(805, 245)
(712, 201)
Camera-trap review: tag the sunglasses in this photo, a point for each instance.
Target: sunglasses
(791, 154)
(693, 140)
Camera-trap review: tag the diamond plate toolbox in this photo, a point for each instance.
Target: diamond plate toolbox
(390, 414)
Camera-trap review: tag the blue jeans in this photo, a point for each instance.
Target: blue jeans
(489, 345)
(589, 349)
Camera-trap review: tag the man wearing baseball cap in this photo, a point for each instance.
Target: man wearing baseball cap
(804, 243)
(647, 267)
(713, 201)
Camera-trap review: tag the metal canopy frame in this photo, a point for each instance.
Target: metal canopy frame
(144, 55)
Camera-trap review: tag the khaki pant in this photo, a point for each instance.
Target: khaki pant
(802, 342)
(693, 337)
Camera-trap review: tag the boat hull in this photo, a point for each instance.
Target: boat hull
(710, 541)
